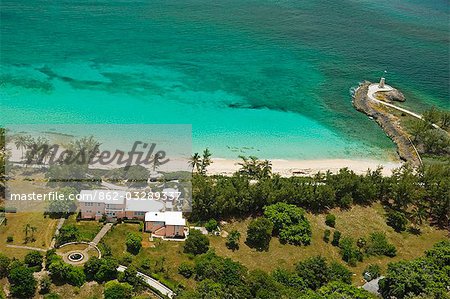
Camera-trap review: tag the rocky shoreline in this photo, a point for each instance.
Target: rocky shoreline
(387, 121)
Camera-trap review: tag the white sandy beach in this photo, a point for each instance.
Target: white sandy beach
(307, 167)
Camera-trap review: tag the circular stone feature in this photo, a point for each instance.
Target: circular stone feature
(75, 257)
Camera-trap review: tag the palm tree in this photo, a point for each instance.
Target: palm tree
(26, 229)
(195, 162)
(21, 143)
(418, 215)
(206, 161)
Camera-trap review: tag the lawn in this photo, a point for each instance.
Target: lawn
(88, 228)
(357, 222)
(171, 251)
(45, 228)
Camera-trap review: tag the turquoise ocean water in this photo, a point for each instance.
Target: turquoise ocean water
(263, 77)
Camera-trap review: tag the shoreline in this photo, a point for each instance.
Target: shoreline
(287, 168)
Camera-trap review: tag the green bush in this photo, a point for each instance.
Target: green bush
(196, 243)
(289, 223)
(186, 269)
(232, 241)
(9, 239)
(336, 238)
(326, 235)
(34, 259)
(117, 290)
(349, 251)
(259, 233)
(397, 220)
(211, 225)
(4, 265)
(330, 220)
(133, 242)
(379, 245)
(44, 285)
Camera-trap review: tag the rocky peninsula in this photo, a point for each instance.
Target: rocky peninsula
(390, 123)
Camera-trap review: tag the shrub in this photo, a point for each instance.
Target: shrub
(101, 270)
(23, 284)
(117, 290)
(330, 220)
(127, 259)
(361, 243)
(68, 233)
(289, 223)
(326, 235)
(259, 233)
(4, 265)
(65, 273)
(186, 269)
(9, 239)
(233, 240)
(44, 285)
(52, 296)
(211, 225)
(397, 220)
(372, 271)
(379, 245)
(133, 242)
(34, 259)
(349, 252)
(336, 238)
(196, 243)
(146, 264)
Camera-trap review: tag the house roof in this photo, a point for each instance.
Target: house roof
(143, 205)
(105, 196)
(169, 218)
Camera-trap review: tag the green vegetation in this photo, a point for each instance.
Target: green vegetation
(133, 243)
(211, 225)
(372, 271)
(259, 233)
(428, 275)
(330, 220)
(23, 284)
(117, 290)
(289, 223)
(232, 242)
(34, 260)
(101, 270)
(407, 189)
(196, 243)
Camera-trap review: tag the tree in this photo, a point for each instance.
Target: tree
(379, 245)
(233, 240)
(196, 243)
(186, 269)
(195, 162)
(206, 161)
(23, 284)
(130, 276)
(314, 272)
(101, 270)
(4, 265)
(349, 251)
(397, 220)
(211, 225)
(289, 223)
(259, 233)
(133, 242)
(34, 259)
(326, 235)
(29, 231)
(67, 233)
(330, 220)
(117, 290)
(44, 284)
(342, 291)
(415, 277)
(336, 238)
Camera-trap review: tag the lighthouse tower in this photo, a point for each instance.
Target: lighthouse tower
(382, 80)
